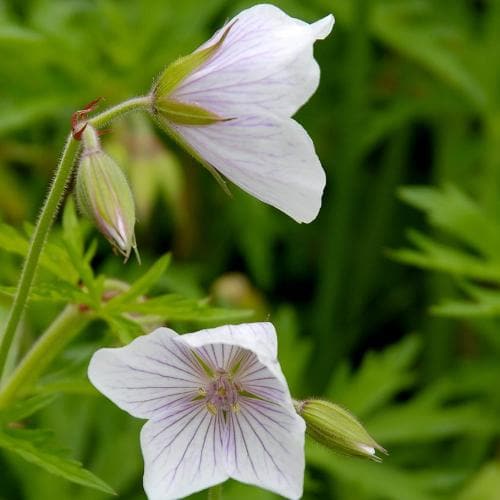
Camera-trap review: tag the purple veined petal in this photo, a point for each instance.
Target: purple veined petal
(183, 452)
(256, 337)
(148, 376)
(265, 447)
(266, 64)
(271, 158)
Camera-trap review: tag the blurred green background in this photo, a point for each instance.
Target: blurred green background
(389, 303)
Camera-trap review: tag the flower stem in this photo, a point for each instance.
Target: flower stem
(46, 218)
(38, 239)
(66, 326)
(215, 492)
(111, 114)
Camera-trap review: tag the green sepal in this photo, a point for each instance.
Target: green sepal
(185, 114)
(180, 69)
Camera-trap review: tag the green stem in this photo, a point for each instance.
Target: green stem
(39, 236)
(215, 492)
(111, 114)
(46, 218)
(66, 326)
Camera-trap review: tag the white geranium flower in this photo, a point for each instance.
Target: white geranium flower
(230, 104)
(217, 404)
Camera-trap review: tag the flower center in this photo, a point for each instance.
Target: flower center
(221, 393)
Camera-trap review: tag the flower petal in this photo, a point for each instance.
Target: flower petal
(259, 338)
(183, 452)
(271, 158)
(148, 376)
(265, 63)
(266, 447)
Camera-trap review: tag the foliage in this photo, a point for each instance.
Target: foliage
(409, 97)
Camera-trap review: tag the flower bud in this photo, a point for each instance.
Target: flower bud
(104, 195)
(334, 427)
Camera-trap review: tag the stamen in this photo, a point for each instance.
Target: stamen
(212, 408)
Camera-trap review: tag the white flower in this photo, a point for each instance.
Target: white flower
(230, 104)
(218, 406)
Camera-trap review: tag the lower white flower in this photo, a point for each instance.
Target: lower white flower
(218, 406)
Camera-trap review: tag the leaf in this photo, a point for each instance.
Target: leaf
(22, 409)
(143, 284)
(54, 258)
(26, 111)
(485, 485)
(415, 423)
(431, 254)
(378, 481)
(451, 210)
(484, 303)
(32, 451)
(381, 376)
(15, 35)
(171, 307)
(124, 328)
(52, 291)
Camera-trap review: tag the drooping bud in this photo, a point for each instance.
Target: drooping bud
(336, 428)
(104, 195)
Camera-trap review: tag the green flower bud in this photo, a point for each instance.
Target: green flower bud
(104, 195)
(334, 427)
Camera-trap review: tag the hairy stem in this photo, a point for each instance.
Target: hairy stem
(65, 327)
(46, 218)
(42, 228)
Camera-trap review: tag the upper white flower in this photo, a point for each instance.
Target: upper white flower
(258, 71)
(218, 406)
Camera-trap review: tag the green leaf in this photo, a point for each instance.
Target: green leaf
(124, 328)
(54, 258)
(22, 409)
(484, 302)
(142, 285)
(23, 444)
(381, 376)
(484, 485)
(175, 307)
(52, 291)
(377, 481)
(451, 210)
(431, 254)
(416, 423)
(15, 35)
